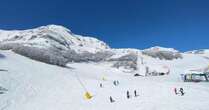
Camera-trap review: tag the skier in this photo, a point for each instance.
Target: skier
(175, 90)
(116, 82)
(127, 94)
(101, 86)
(111, 100)
(181, 91)
(135, 93)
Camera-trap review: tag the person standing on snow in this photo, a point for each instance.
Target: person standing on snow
(181, 91)
(116, 82)
(101, 86)
(175, 90)
(111, 100)
(135, 93)
(127, 94)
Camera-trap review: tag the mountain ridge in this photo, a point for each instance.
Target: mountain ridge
(62, 29)
(55, 44)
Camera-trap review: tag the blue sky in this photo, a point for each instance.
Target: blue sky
(181, 24)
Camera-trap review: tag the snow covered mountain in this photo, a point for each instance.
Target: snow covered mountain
(52, 36)
(27, 84)
(158, 48)
(162, 53)
(57, 45)
(52, 44)
(201, 52)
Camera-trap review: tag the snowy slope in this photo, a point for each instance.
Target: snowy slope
(34, 85)
(177, 66)
(202, 52)
(123, 51)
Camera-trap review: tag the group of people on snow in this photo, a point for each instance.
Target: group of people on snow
(128, 96)
(180, 91)
(116, 83)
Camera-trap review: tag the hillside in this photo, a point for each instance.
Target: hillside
(51, 68)
(34, 85)
(57, 45)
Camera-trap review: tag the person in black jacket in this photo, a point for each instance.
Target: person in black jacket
(100, 85)
(111, 100)
(135, 93)
(128, 94)
(181, 91)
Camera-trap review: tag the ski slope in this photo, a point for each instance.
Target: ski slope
(33, 85)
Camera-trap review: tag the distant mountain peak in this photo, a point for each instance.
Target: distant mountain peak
(55, 28)
(159, 48)
(52, 36)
